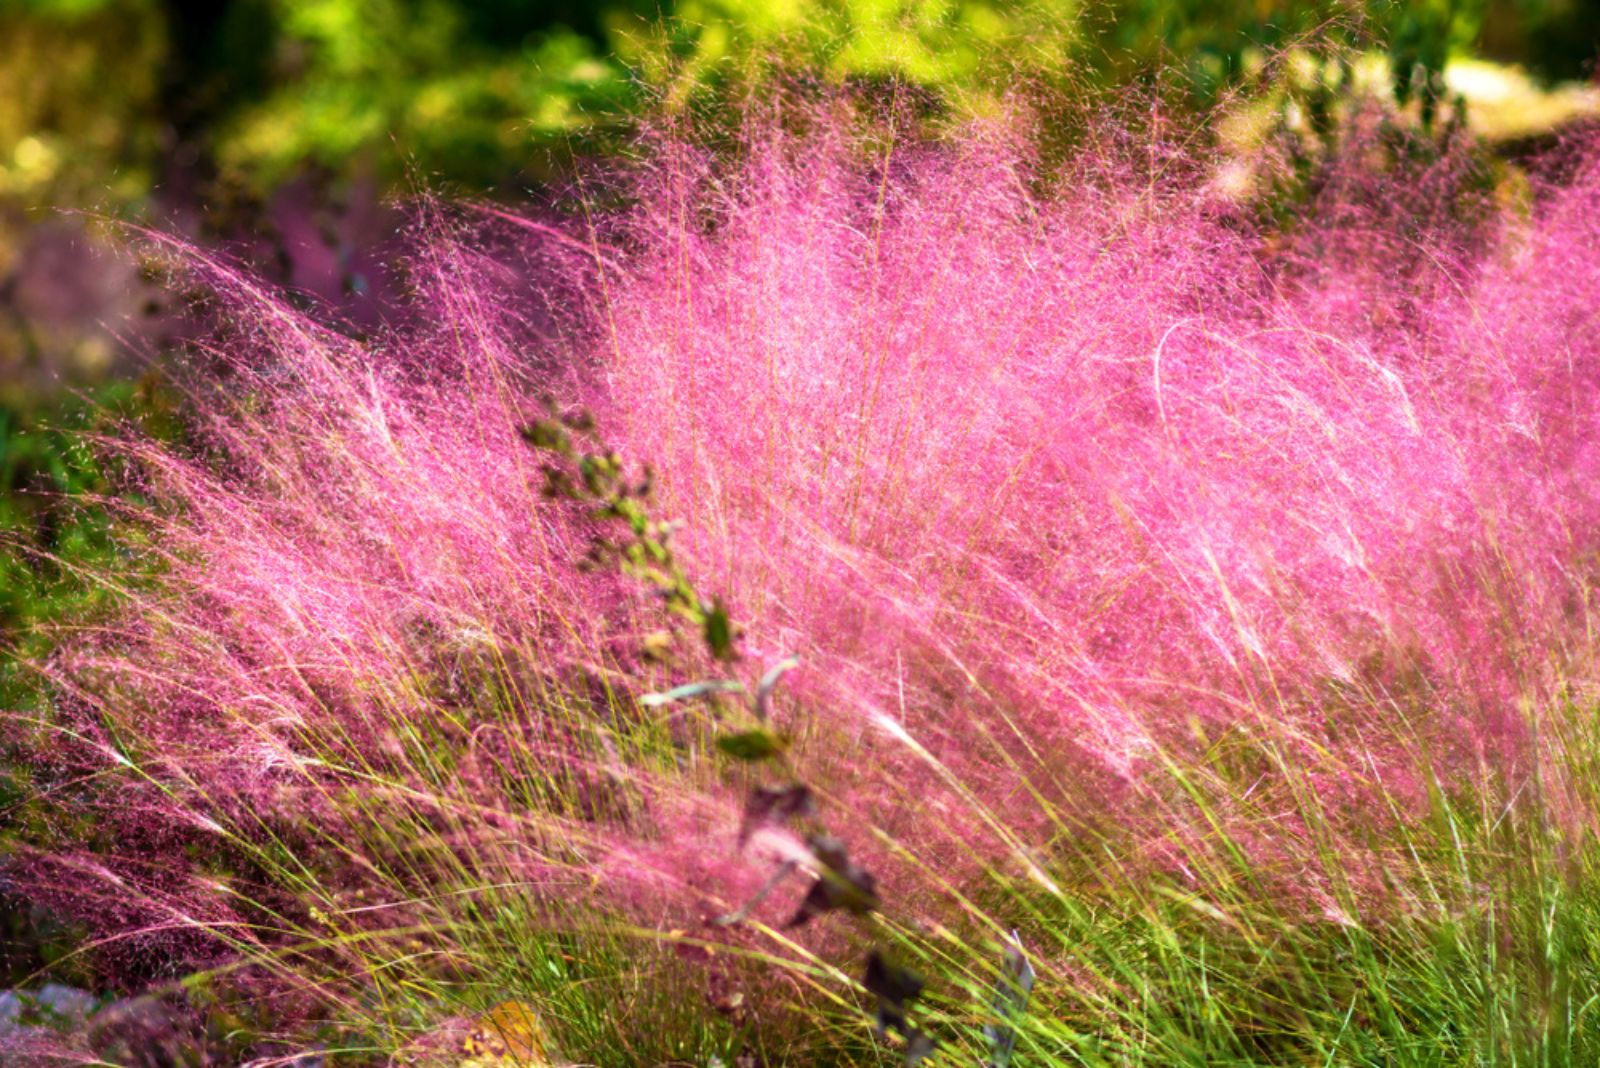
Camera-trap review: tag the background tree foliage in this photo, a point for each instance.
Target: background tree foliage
(104, 98)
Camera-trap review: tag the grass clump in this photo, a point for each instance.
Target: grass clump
(1202, 608)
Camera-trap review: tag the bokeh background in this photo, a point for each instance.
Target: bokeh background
(291, 131)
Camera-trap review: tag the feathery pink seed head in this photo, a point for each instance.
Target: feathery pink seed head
(1042, 488)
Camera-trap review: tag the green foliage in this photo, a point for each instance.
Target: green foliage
(80, 84)
(933, 43)
(753, 745)
(52, 524)
(839, 884)
(53, 530)
(476, 94)
(424, 85)
(597, 482)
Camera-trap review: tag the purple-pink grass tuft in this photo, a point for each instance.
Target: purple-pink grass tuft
(1054, 492)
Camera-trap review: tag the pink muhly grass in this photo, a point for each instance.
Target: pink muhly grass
(1096, 517)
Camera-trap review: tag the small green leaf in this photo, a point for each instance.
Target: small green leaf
(558, 485)
(719, 631)
(598, 472)
(752, 745)
(547, 434)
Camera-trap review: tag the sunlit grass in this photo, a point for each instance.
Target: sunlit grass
(1207, 606)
